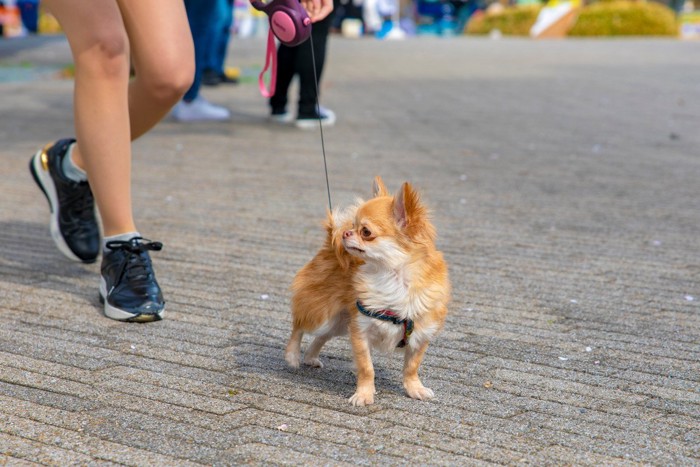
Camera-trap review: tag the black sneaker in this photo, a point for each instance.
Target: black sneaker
(210, 77)
(128, 288)
(74, 226)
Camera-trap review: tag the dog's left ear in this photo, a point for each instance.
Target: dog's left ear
(410, 214)
(405, 206)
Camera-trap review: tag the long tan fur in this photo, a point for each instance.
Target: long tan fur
(381, 252)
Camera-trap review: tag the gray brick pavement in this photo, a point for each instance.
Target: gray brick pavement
(564, 179)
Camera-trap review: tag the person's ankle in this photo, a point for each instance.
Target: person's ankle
(71, 169)
(123, 237)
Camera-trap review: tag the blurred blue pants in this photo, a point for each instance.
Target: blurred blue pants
(221, 36)
(202, 15)
(29, 9)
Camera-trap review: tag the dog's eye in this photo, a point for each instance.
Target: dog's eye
(365, 232)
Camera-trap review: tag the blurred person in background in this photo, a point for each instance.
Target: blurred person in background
(210, 23)
(215, 71)
(206, 19)
(29, 9)
(347, 9)
(87, 181)
(300, 61)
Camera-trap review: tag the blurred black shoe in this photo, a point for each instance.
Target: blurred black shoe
(211, 77)
(74, 226)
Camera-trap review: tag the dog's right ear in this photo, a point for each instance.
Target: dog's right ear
(335, 239)
(329, 224)
(378, 187)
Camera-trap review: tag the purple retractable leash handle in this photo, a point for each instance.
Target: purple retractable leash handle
(290, 23)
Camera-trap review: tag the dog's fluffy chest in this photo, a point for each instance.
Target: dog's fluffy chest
(382, 335)
(385, 289)
(388, 290)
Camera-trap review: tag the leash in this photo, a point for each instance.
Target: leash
(290, 23)
(320, 125)
(270, 60)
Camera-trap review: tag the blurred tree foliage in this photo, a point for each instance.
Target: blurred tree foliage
(510, 21)
(625, 18)
(602, 18)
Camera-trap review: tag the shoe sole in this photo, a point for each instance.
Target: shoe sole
(43, 179)
(312, 123)
(282, 119)
(122, 315)
(202, 119)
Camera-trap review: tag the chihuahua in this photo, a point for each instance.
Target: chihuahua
(379, 277)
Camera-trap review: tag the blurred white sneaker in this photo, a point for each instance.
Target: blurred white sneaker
(282, 117)
(199, 110)
(308, 122)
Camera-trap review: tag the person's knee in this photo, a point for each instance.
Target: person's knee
(107, 57)
(170, 81)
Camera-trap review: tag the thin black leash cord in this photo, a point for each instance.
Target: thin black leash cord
(320, 124)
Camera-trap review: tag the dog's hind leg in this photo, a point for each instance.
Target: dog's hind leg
(293, 352)
(311, 355)
(337, 327)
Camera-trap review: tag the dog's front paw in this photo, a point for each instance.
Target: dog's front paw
(313, 362)
(418, 391)
(292, 359)
(362, 397)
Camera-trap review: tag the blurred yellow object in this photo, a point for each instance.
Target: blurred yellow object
(256, 13)
(232, 72)
(572, 3)
(68, 72)
(48, 23)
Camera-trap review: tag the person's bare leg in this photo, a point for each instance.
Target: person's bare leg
(100, 48)
(104, 99)
(163, 57)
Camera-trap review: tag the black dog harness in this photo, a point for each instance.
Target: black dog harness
(388, 315)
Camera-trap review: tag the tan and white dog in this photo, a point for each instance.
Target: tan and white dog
(380, 277)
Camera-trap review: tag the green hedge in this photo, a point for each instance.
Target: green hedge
(512, 21)
(625, 18)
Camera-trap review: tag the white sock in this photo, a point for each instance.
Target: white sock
(70, 170)
(125, 237)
